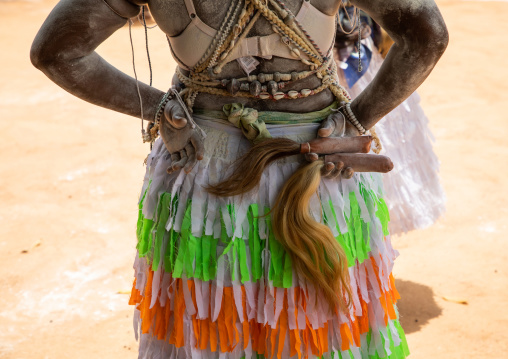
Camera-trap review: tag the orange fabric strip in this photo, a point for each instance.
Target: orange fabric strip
(345, 336)
(213, 335)
(323, 339)
(283, 326)
(204, 334)
(356, 332)
(245, 324)
(167, 324)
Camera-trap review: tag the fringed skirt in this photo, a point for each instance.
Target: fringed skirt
(212, 281)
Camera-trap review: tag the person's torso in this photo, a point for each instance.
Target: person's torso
(191, 26)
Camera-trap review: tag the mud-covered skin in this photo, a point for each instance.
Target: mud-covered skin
(64, 50)
(213, 12)
(420, 37)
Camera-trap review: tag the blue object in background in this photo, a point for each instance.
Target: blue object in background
(351, 72)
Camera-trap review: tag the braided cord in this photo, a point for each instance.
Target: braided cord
(275, 20)
(282, 9)
(249, 26)
(143, 132)
(231, 13)
(242, 22)
(146, 43)
(226, 37)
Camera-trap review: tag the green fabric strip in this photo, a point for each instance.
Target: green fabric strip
(197, 257)
(256, 245)
(248, 121)
(143, 226)
(356, 241)
(383, 214)
(277, 260)
(162, 218)
(276, 118)
(397, 352)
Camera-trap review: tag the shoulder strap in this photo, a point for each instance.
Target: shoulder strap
(191, 10)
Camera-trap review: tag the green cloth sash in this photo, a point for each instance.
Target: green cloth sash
(253, 123)
(247, 120)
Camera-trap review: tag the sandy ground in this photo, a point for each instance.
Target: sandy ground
(70, 175)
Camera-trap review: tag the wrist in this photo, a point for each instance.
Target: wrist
(370, 129)
(163, 101)
(151, 100)
(154, 117)
(355, 107)
(350, 116)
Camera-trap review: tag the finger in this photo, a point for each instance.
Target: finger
(339, 166)
(175, 157)
(175, 115)
(311, 157)
(178, 119)
(348, 173)
(336, 121)
(180, 163)
(191, 160)
(199, 146)
(340, 123)
(327, 169)
(327, 127)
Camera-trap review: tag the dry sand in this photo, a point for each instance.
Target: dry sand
(70, 175)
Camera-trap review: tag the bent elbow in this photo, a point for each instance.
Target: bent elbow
(428, 37)
(45, 54)
(418, 28)
(442, 39)
(35, 58)
(437, 37)
(39, 57)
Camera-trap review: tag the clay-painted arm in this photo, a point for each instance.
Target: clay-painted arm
(64, 49)
(420, 36)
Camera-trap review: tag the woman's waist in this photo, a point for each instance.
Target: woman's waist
(224, 136)
(227, 142)
(227, 131)
(296, 99)
(235, 118)
(274, 85)
(268, 117)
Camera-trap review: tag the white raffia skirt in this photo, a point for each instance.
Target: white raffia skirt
(212, 281)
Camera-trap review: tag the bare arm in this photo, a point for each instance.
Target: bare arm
(420, 36)
(64, 49)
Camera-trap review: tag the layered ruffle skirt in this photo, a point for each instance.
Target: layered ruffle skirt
(212, 281)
